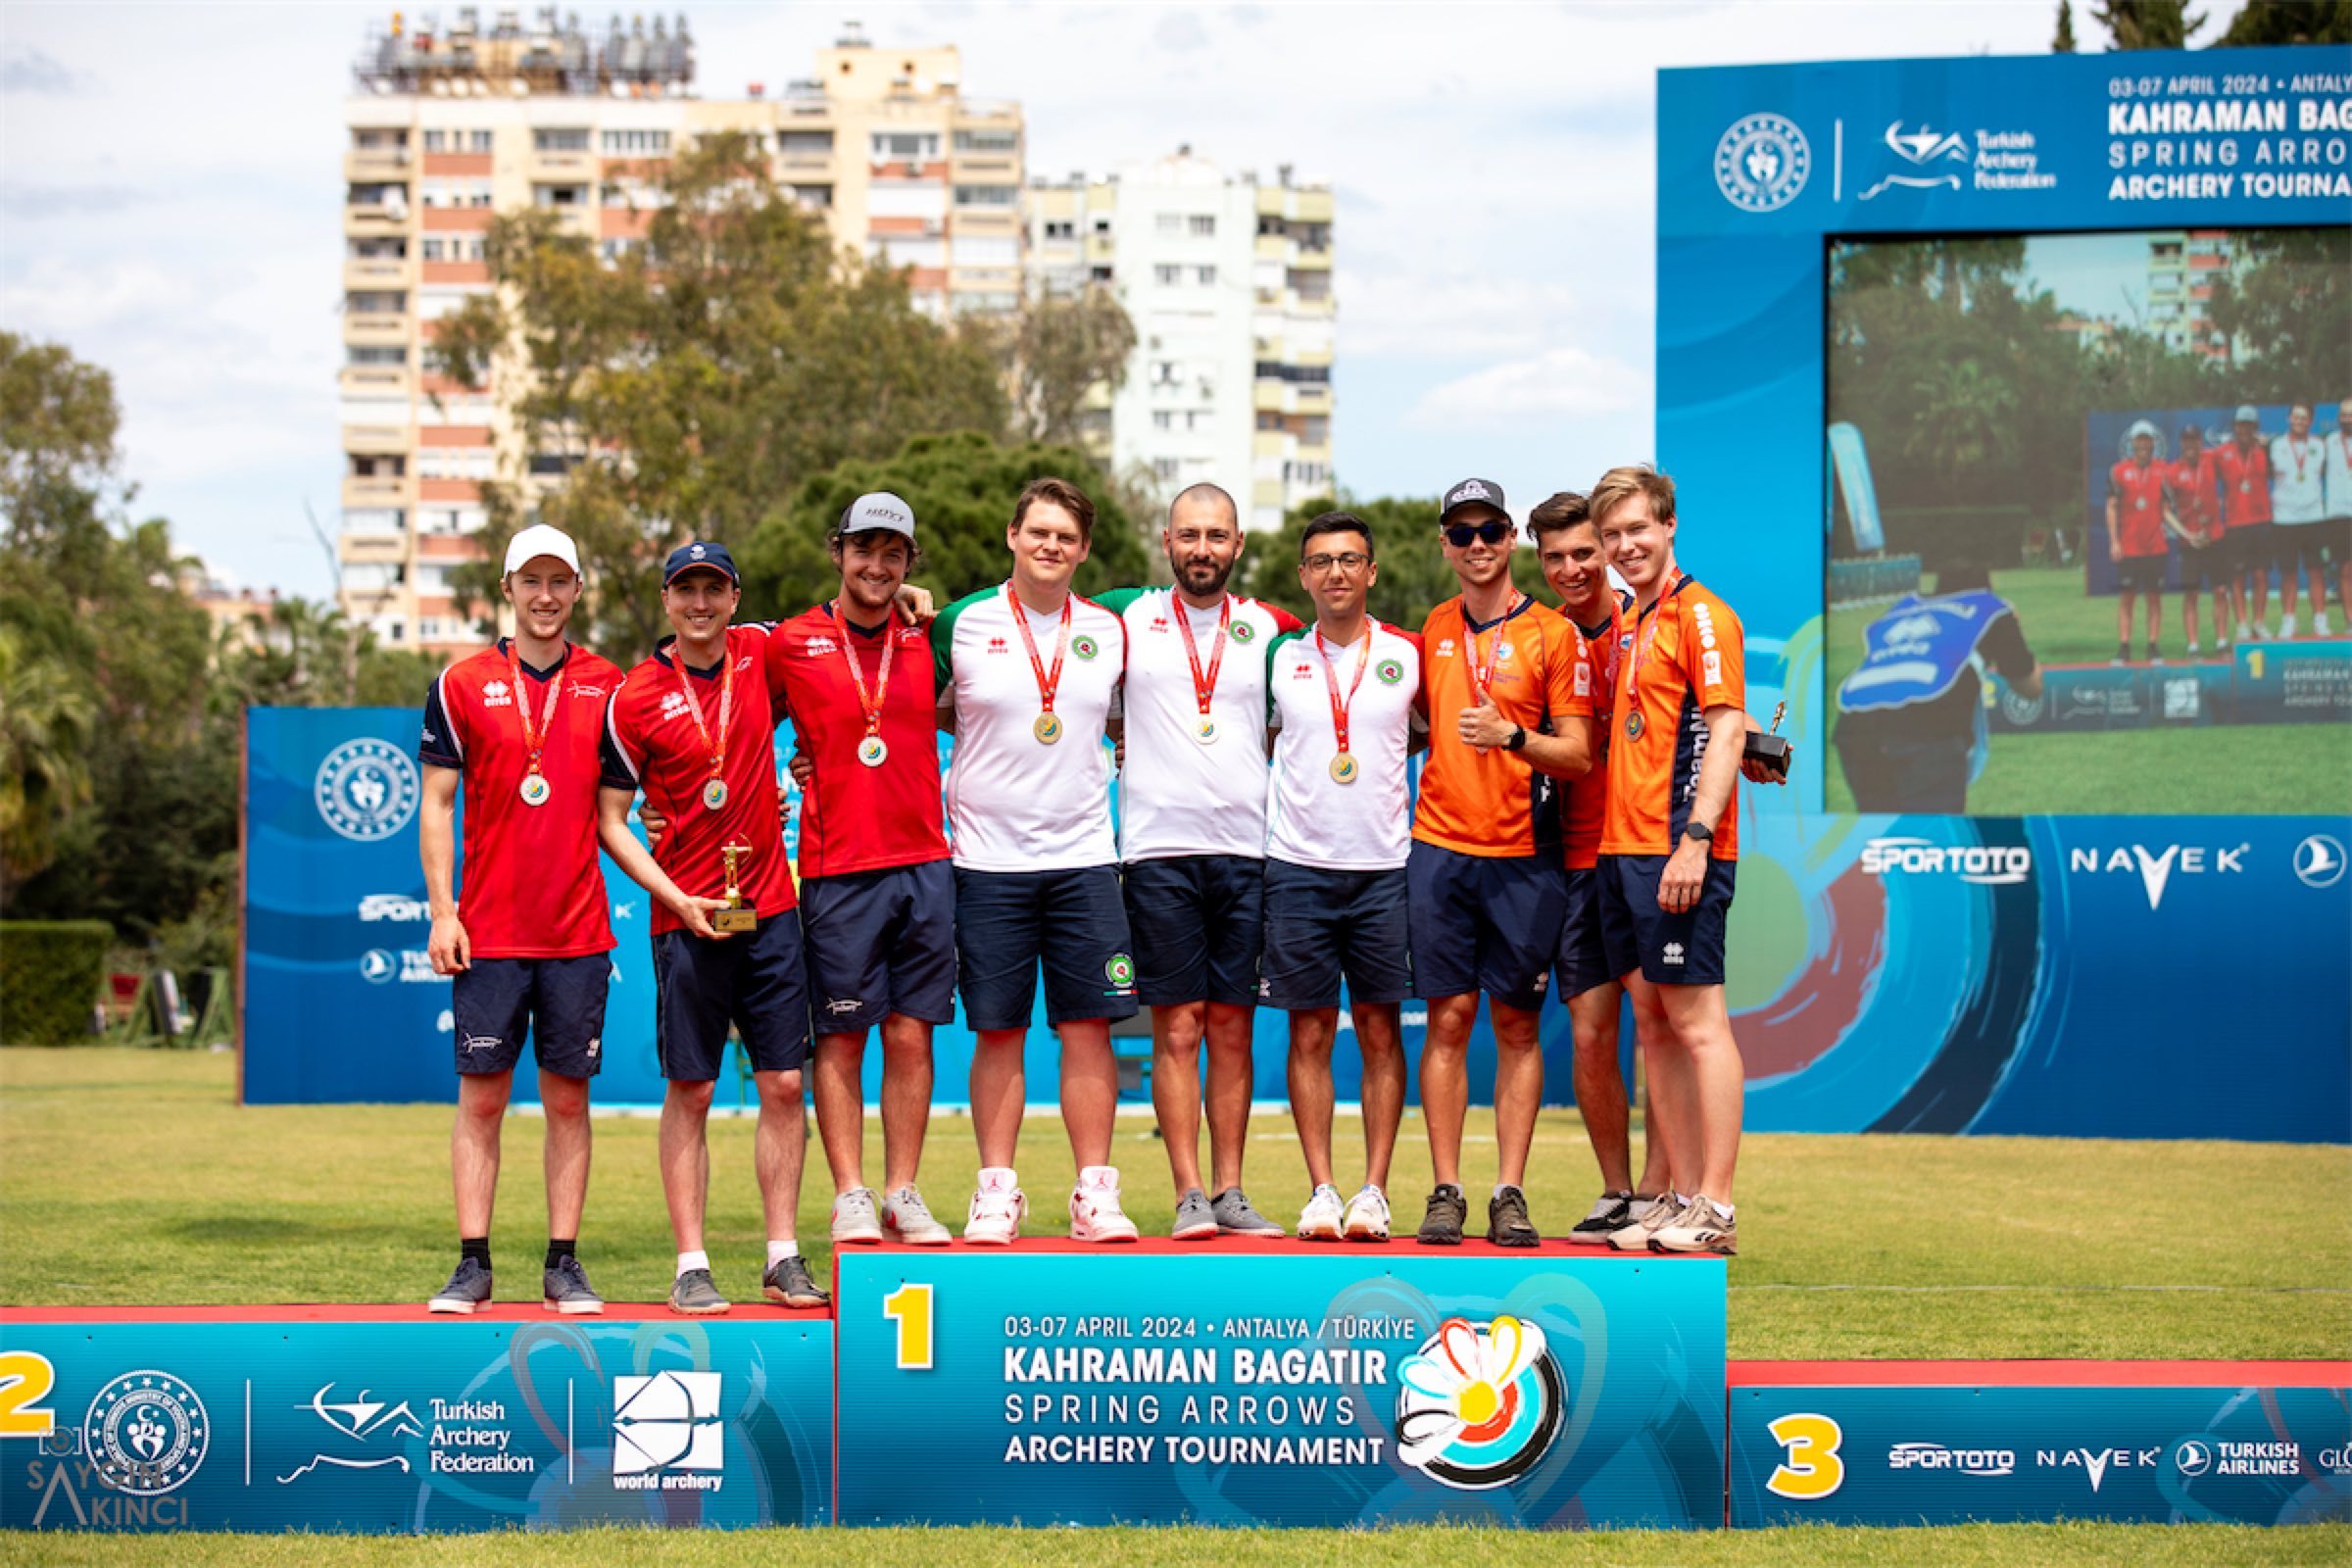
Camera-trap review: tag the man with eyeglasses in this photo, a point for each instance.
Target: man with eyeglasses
(1341, 697)
(1509, 693)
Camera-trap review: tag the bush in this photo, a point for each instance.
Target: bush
(50, 976)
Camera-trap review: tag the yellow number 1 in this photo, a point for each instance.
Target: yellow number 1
(1813, 1468)
(26, 1380)
(910, 1307)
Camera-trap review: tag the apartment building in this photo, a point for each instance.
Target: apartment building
(448, 128)
(2184, 265)
(1228, 282)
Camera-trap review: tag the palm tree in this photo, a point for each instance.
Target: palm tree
(45, 729)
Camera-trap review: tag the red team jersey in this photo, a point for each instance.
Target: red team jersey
(2138, 497)
(1687, 655)
(854, 817)
(652, 743)
(529, 883)
(1588, 797)
(2245, 483)
(2196, 499)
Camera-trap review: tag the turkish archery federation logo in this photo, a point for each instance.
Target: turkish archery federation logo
(367, 789)
(146, 1433)
(1761, 163)
(1479, 1403)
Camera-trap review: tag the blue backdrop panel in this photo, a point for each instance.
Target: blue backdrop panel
(1291, 1385)
(390, 1426)
(1934, 1455)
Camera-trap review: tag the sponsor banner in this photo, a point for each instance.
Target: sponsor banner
(1950, 1454)
(1292, 1386)
(156, 1424)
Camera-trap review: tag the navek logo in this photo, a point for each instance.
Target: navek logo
(2094, 1463)
(2156, 867)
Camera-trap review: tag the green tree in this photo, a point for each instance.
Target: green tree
(1414, 577)
(2274, 21)
(2285, 312)
(2148, 23)
(2064, 42)
(1057, 353)
(45, 728)
(684, 389)
(962, 488)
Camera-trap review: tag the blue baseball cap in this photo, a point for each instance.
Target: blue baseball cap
(699, 553)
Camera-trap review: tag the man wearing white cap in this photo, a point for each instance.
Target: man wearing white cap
(2298, 506)
(516, 726)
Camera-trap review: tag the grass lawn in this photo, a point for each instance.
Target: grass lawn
(2265, 769)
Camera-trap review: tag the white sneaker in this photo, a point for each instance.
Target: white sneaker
(1368, 1215)
(2246, 633)
(1095, 1212)
(998, 1208)
(854, 1220)
(2319, 625)
(2286, 628)
(1322, 1217)
(906, 1216)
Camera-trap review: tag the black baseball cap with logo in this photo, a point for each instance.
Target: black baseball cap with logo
(700, 553)
(1472, 493)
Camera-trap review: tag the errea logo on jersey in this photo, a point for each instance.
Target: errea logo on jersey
(673, 705)
(1444, 649)
(1672, 954)
(997, 645)
(495, 694)
(819, 647)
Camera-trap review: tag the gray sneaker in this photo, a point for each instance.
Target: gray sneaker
(567, 1292)
(1508, 1224)
(694, 1295)
(789, 1284)
(905, 1218)
(1195, 1220)
(1235, 1217)
(855, 1218)
(467, 1290)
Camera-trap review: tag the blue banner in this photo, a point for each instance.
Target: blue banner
(154, 1422)
(1953, 1452)
(1289, 1386)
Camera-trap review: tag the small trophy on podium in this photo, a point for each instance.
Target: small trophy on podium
(738, 915)
(1771, 748)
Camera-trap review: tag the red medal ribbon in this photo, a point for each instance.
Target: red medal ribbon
(1331, 680)
(871, 708)
(1483, 676)
(726, 703)
(1048, 680)
(533, 740)
(1203, 692)
(1650, 635)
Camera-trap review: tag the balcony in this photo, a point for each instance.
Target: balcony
(449, 547)
(368, 219)
(373, 381)
(376, 490)
(375, 440)
(371, 548)
(562, 167)
(375, 272)
(383, 326)
(378, 165)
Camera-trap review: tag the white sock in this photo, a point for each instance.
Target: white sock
(1723, 1211)
(1501, 1188)
(779, 1251)
(692, 1261)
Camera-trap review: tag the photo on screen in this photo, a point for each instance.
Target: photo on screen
(2091, 523)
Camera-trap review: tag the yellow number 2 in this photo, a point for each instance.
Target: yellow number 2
(26, 1380)
(910, 1307)
(1812, 1468)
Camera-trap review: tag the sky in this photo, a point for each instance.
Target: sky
(171, 190)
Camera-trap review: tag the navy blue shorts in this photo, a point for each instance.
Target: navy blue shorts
(754, 980)
(1488, 923)
(1323, 926)
(1584, 956)
(1008, 922)
(1198, 921)
(560, 1003)
(1670, 950)
(879, 942)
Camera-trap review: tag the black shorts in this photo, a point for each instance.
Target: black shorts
(754, 980)
(1583, 961)
(879, 942)
(1008, 923)
(1199, 921)
(1324, 927)
(1488, 923)
(559, 1003)
(2140, 574)
(2213, 566)
(2336, 537)
(2300, 548)
(1670, 950)
(2254, 546)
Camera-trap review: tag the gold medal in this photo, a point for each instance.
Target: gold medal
(715, 794)
(1206, 732)
(535, 788)
(873, 751)
(1343, 769)
(1047, 730)
(1632, 726)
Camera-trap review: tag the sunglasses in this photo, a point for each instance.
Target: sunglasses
(1460, 534)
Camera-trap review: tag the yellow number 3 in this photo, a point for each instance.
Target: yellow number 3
(910, 1307)
(1812, 1468)
(26, 1380)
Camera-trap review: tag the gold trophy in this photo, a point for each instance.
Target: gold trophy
(1771, 748)
(738, 915)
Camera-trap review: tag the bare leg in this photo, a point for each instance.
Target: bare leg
(2122, 619)
(473, 1147)
(565, 1103)
(1674, 1093)
(779, 1149)
(1311, 1092)
(1379, 1036)
(1229, 1081)
(840, 1107)
(1176, 1087)
(906, 1097)
(1703, 1032)
(1090, 1089)
(686, 1159)
(1446, 1081)
(1600, 1086)
(999, 1085)
(1518, 1088)
(2188, 616)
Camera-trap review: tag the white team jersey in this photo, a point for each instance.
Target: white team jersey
(2295, 495)
(1311, 819)
(2339, 473)
(1176, 795)
(1016, 804)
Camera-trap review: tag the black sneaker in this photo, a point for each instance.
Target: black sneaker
(1610, 1211)
(788, 1283)
(1508, 1224)
(567, 1289)
(1442, 1222)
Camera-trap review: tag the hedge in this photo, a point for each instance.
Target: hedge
(51, 972)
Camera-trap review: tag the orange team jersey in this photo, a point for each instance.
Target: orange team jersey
(1686, 658)
(1492, 803)
(1605, 641)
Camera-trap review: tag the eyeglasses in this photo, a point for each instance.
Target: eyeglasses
(1485, 533)
(1345, 561)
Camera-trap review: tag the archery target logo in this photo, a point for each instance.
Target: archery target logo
(1478, 1404)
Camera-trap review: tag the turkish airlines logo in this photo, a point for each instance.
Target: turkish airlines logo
(2320, 862)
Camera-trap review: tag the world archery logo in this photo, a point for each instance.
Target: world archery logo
(1761, 163)
(1085, 647)
(1478, 1404)
(1390, 672)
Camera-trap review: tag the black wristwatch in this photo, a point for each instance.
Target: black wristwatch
(1700, 831)
(1518, 740)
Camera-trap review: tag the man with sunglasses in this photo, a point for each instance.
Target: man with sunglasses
(1508, 692)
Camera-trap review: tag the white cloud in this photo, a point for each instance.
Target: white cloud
(1535, 390)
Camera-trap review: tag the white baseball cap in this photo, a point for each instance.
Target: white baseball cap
(540, 540)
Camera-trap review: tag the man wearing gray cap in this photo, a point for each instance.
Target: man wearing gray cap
(877, 892)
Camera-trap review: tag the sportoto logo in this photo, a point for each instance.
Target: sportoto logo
(1762, 163)
(1993, 864)
(669, 1421)
(146, 1433)
(1478, 1404)
(2320, 862)
(367, 789)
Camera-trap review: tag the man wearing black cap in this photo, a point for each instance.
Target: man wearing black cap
(694, 727)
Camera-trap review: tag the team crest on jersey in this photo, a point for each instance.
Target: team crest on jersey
(1244, 632)
(1085, 647)
(1390, 672)
(1584, 680)
(1121, 971)
(1504, 652)
(496, 695)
